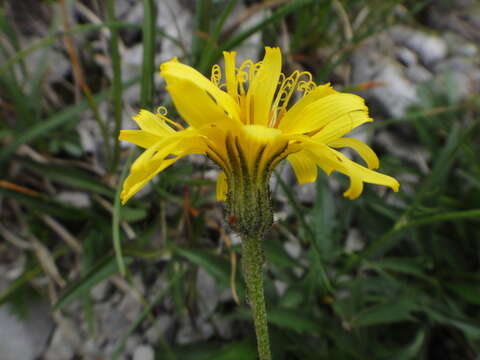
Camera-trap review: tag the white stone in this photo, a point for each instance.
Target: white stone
(77, 198)
(396, 93)
(306, 193)
(26, 338)
(459, 46)
(207, 292)
(144, 352)
(250, 48)
(429, 47)
(292, 248)
(354, 241)
(280, 286)
(60, 348)
(132, 344)
(159, 328)
(406, 56)
(188, 334)
(100, 290)
(418, 74)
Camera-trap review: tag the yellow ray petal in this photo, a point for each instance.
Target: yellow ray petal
(305, 169)
(173, 70)
(287, 123)
(139, 137)
(133, 185)
(341, 126)
(261, 146)
(334, 160)
(324, 157)
(359, 174)
(156, 158)
(152, 123)
(145, 168)
(215, 138)
(193, 104)
(230, 75)
(360, 147)
(326, 110)
(262, 89)
(222, 187)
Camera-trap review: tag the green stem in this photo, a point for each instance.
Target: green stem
(116, 84)
(252, 260)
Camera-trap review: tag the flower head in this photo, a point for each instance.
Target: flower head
(246, 120)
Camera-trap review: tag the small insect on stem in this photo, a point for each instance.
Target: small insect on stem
(232, 220)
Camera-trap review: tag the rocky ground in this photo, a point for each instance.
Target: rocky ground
(402, 60)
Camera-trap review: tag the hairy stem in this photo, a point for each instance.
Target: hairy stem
(252, 260)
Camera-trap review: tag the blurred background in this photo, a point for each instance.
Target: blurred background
(388, 276)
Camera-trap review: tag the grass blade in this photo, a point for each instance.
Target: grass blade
(116, 83)
(146, 86)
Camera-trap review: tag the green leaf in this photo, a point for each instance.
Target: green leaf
(394, 311)
(468, 291)
(411, 351)
(296, 320)
(323, 218)
(44, 127)
(408, 266)
(276, 254)
(73, 177)
(132, 214)
(44, 204)
(244, 350)
(470, 328)
(146, 83)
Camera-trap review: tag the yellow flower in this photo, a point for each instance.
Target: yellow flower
(246, 121)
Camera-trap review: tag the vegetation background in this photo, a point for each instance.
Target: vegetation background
(387, 276)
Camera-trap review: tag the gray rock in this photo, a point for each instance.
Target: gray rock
(418, 74)
(292, 248)
(429, 47)
(189, 334)
(459, 46)
(460, 16)
(414, 153)
(90, 349)
(249, 49)
(144, 352)
(396, 93)
(177, 21)
(354, 241)
(26, 338)
(280, 286)
(132, 343)
(113, 323)
(130, 307)
(224, 325)
(60, 347)
(158, 330)
(77, 198)
(406, 56)
(306, 193)
(100, 290)
(208, 294)
(461, 75)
